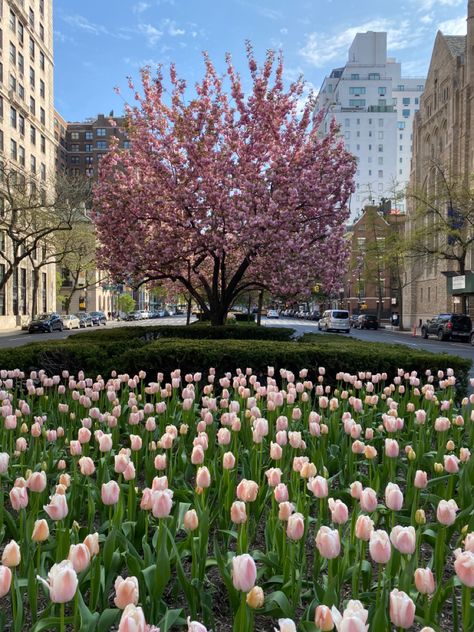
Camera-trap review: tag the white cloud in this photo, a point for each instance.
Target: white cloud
(152, 34)
(81, 23)
(321, 48)
(427, 5)
(455, 26)
(172, 29)
(140, 7)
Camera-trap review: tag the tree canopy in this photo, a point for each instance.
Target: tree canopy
(225, 192)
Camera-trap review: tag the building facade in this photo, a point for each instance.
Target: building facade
(443, 143)
(371, 285)
(27, 143)
(374, 107)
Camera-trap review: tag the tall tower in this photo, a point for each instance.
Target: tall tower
(470, 43)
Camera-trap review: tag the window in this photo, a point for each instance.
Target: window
(89, 135)
(347, 122)
(380, 173)
(21, 124)
(42, 59)
(102, 144)
(21, 64)
(382, 102)
(12, 21)
(32, 48)
(406, 113)
(400, 147)
(354, 76)
(21, 32)
(13, 117)
(374, 75)
(401, 88)
(33, 106)
(380, 135)
(357, 134)
(382, 91)
(89, 160)
(21, 91)
(357, 103)
(369, 159)
(1, 140)
(380, 160)
(42, 89)
(12, 54)
(87, 147)
(75, 147)
(75, 160)
(420, 87)
(33, 164)
(380, 148)
(406, 100)
(101, 131)
(41, 6)
(357, 90)
(33, 135)
(43, 172)
(42, 32)
(89, 172)
(1, 72)
(2, 240)
(74, 135)
(21, 155)
(43, 116)
(401, 124)
(32, 77)
(43, 144)
(15, 292)
(12, 83)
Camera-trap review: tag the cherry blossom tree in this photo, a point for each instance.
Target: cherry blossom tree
(227, 191)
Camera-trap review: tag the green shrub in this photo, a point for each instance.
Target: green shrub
(198, 331)
(244, 318)
(164, 355)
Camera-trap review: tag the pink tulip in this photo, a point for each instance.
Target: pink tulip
(451, 463)
(238, 512)
(120, 463)
(195, 626)
(379, 546)
(323, 618)
(161, 503)
(57, 508)
(402, 609)
(276, 451)
(424, 581)
(126, 592)
(318, 486)
(4, 460)
(135, 442)
(285, 510)
(40, 531)
(403, 539)
(247, 490)
(469, 542)
(197, 455)
(339, 511)
(79, 556)
(37, 482)
(446, 512)
(421, 479)
(203, 477)
(228, 461)
(160, 462)
(328, 542)
(368, 500)
(19, 498)
(244, 572)
(364, 527)
(273, 476)
(110, 493)
(11, 555)
(356, 489)
(5, 580)
(295, 526)
(92, 543)
(62, 582)
(191, 520)
(285, 625)
(281, 493)
(105, 443)
(132, 620)
(353, 619)
(86, 466)
(391, 448)
(464, 567)
(393, 497)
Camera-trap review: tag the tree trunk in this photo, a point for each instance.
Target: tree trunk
(260, 305)
(188, 310)
(219, 316)
(400, 309)
(249, 307)
(35, 289)
(67, 303)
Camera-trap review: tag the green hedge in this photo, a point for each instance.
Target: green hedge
(167, 354)
(198, 331)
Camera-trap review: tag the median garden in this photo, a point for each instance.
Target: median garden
(182, 479)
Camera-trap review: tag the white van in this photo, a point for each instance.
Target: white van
(335, 320)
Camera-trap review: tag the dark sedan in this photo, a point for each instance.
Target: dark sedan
(98, 318)
(45, 323)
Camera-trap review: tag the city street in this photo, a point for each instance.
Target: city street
(465, 350)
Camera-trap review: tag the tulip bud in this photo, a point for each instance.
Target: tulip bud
(191, 520)
(420, 517)
(438, 468)
(40, 531)
(255, 598)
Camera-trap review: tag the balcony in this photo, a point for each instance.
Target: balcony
(14, 98)
(381, 108)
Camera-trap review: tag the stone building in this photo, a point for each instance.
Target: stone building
(442, 142)
(27, 141)
(370, 286)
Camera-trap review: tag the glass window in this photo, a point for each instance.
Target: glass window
(21, 155)
(400, 88)
(21, 124)
(347, 122)
(43, 116)
(374, 75)
(101, 144)
(42, 89)
(32, 48)
(32, 106)
(88, 147)
(15, 292)
(33, 134)
(406, 100)
(13, 117)
(43, 144)
(42, 32)
(20, 32)
(354, 76)
(12, 54)
(41, 6)
(357, 90)
(21, 91)
(42, 60)
(382, 91)
(380, 148)
(101, 131)
(33, 164)
(43, 171)
(12, 20)
(357, 103)
(89, 135)
(75, 160)
(89, 160)
(75, 147)
(74, 135)
(401, 124)
(406, 113)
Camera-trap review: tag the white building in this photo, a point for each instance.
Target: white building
(374, 107)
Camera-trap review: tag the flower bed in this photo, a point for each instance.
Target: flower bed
(236, 501)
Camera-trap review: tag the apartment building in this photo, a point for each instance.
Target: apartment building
(27, 141)
(443, 141)
(374, 106)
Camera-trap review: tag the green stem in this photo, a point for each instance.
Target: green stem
(466, 608)
(62, 625)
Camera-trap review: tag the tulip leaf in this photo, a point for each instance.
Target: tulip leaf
(51, 623)
(107, 619)
(170, 618)
(277, 604)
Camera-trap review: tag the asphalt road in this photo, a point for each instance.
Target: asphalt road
(465, 350)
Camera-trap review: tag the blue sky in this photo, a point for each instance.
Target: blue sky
(98, 43)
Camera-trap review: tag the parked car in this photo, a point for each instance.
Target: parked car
(334, 320)
(447, 326)
(353, 320)
(71, 321)
(272, 313)
(315, 316)
(367, 321)
(85, 319)
(133, 316)
(98, 318)
(46, 323)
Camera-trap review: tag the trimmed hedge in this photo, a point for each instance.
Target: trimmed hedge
(198, 331)
(167, 354)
